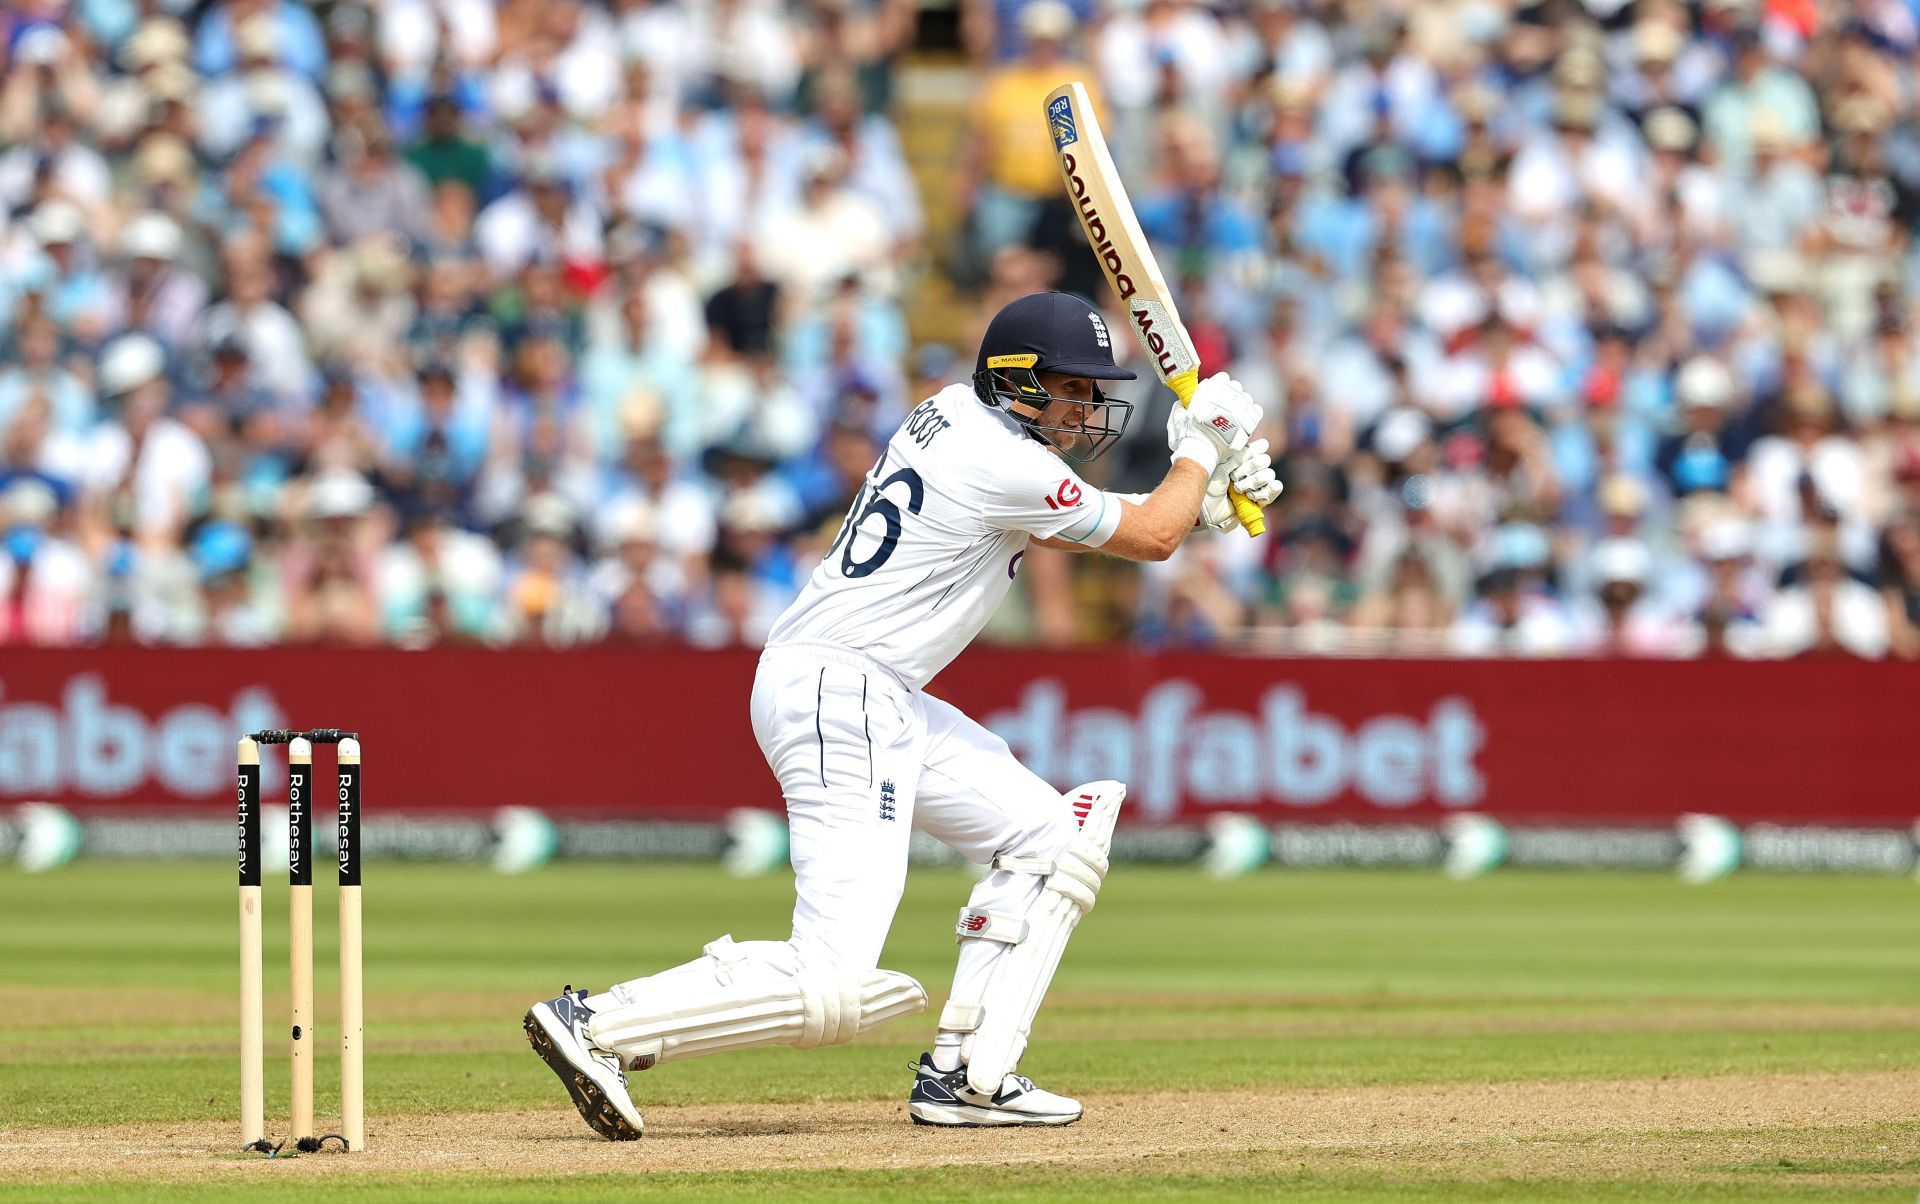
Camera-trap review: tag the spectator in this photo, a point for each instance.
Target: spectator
(1147, 44)
(43, 578)
(223, 395)
(548, 598)
(144, 472)
(742, 314)
(263, 99)
(414, 35)
(40, 372)
(753, 578)
(876, 170)
(359, 308)
(153, 291)
(1900, 584)
(628, 360)
(861, 38)
(1511, 619)
(434, 440)
(1189, 212)
(630, 563)
(1759, 91)
(1010, 171)
(1626, 621)
(373, 193)
(538, 220)
(232, 613)
(1785, 197)
(329, 569)
(1809, 465)
(297, 40)
(1702, 453)
(1827, 614)
(445, 152)
(248, 313)
(49, 157)
(833, 233)
(438, 585)
(1726, 610)
(1410, 605)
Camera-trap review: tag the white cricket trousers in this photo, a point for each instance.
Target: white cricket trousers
(863, 759)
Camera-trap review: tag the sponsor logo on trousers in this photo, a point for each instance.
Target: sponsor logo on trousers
(1172, 750)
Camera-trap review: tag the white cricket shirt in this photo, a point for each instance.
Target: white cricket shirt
(931, 544)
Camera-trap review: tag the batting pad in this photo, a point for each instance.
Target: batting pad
(730, 999)
(1003, 1017)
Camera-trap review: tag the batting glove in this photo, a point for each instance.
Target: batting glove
(1220, 419)
(1251, 473)
(1216, 509)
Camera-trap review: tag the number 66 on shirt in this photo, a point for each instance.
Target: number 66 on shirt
(870, 502)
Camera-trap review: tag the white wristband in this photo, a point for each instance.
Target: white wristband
(1201, 450)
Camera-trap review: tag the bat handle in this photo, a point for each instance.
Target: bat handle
(1183, 384)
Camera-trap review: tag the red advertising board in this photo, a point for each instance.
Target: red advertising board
(665, 733)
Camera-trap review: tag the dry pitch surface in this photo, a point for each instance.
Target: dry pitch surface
(1341, 1037)
(1703, 1130)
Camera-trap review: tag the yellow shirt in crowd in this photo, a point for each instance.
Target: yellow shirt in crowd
(1011, 116)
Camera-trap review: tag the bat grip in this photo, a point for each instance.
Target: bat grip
(1248, 513)
(1183, 384)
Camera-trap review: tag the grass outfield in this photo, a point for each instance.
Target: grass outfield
(1339, 1036)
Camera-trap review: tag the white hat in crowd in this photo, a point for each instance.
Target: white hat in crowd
(1704, 382)
(57, 222)
(129, 362)
(1621, 560)
(29, 502)
(1046, 19)
(1400, 433)
(628, 521)
(1725, 539)
(151, 235)
(339, 493)
(547, 514)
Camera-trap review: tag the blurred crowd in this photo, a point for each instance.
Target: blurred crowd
(1583, 328)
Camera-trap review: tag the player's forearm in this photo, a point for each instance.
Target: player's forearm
(1153, 528)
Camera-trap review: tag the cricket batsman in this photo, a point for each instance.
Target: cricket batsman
(975, 475)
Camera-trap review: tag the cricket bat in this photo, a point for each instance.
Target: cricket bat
(1114, 233)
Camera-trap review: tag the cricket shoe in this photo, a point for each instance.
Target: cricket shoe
(557, 1030)
(944, 1099)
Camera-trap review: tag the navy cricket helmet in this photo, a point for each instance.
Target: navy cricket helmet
(1052, 332)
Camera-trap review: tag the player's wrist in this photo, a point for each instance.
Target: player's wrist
(1198, 448)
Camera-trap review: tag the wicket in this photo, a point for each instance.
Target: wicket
(352, 1134)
